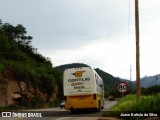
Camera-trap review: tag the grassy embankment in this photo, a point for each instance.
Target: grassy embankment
(128, 104)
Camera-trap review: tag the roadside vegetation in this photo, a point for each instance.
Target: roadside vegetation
(148, 103)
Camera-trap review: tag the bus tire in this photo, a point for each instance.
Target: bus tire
(72, 111)
(102, 107)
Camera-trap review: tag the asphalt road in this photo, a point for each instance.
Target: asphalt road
(62, 114)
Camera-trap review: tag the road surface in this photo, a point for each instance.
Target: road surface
(62, 114)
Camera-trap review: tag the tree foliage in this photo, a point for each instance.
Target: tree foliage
(18, 55)
(150, 90)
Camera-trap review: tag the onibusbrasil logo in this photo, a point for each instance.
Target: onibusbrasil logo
(21, 114)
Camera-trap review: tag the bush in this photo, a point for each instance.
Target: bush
(128, 104)
(1, 67)
(146, 103)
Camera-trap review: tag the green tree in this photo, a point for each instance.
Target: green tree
(21, 60)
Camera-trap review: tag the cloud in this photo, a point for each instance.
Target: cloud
(94, 32)
(65, 23)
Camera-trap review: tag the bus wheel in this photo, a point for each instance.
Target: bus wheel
(72, 111)
(102, 107)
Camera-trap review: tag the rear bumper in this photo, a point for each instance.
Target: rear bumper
(80, 105)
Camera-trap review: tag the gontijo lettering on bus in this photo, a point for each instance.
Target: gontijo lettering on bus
(78, 79)
(78, 74)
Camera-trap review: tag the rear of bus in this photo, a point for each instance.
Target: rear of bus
(80, 89)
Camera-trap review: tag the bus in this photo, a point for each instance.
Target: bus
(83, 89)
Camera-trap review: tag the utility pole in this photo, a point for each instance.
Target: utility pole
(137, 51)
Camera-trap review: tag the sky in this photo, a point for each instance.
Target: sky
(100, 33)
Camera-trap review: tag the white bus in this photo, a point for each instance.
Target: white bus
(83, 88)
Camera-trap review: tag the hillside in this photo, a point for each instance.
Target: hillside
(26, 76)
(72, 65)
(147, 81)
(110, 81)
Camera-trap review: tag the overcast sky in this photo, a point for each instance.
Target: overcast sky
(100, 33)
